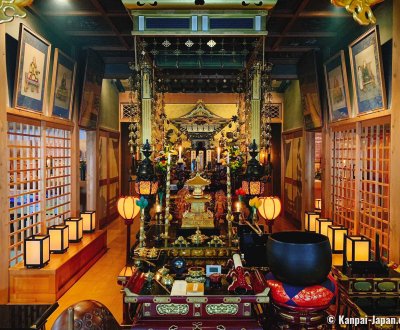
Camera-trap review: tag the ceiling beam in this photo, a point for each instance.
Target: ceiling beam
(311, 14)
(100, 8)
(83, 13)
(95, 34)
(307, 34)
(289, 25)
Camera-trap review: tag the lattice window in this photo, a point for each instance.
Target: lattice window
(343, 177)
(24, 143)
(374, 189)
(58, 175)
(275, 110)
(128, 110)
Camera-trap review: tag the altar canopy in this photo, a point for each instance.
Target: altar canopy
(200, 123)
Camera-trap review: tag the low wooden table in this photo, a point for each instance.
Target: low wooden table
(367, 291)
(48, 284)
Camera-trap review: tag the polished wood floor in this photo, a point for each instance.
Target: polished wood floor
(100, 282)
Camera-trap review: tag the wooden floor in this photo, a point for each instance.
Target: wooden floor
(100, 281)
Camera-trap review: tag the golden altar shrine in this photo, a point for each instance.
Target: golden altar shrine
(198, 216)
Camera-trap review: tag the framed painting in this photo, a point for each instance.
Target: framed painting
(367, 72)
(309, 87)
(90, 103)
(337, 87)
(62, 88)
(32, 71)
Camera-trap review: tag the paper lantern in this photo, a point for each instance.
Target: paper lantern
(59, 235)
(310, 220)
(336, 238)
(36, 251)
(270, 207)
(89, 221)
(321, 226)
(75, 229)
(127, 208)
(318, 203)
(357, 248)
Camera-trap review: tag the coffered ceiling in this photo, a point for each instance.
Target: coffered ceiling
(203, 62)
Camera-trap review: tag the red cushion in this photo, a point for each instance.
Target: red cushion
(318, 296)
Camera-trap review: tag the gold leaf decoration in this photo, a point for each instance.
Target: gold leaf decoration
(12, 8)
(361, 9)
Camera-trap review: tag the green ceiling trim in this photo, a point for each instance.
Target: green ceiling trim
(205, 62)
(151, 5)
(198, 24)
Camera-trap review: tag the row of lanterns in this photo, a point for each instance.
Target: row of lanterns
(37, 248)
(348, 247)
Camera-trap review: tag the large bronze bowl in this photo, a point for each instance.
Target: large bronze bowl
(299, 258)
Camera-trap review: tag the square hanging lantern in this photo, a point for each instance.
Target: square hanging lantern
(89, 221)
(58, 238)
(146, 187)
(357, 248)
(36, 251)
(75, 229)
(336, 238)
(321, 226)
(253, 188)
(310, 220)
(318, 204)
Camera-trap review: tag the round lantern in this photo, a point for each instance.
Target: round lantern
(270, 207)
(127, 208)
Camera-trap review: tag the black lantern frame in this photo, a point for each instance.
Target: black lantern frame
(63, 231)
(42, 240)
(310, 216)
(146, 183)
(253, 183)
(75, 229)
(332, 235)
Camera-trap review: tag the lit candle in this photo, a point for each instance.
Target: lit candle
(218, 153)
(180, 152)
(158, 208)
(237, 206)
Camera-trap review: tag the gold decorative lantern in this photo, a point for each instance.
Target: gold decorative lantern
(36, 251)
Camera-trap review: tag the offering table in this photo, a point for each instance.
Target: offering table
(149, 304)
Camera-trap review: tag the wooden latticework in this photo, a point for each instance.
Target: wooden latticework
(24, 181)
(374, 188)
(343, 187)
(58, 175)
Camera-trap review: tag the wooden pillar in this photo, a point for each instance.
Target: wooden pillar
(255, 107)
(92, 175)
(307, 176)
(326, 159)
(4, 226)
(394, 253)
(75, 160)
